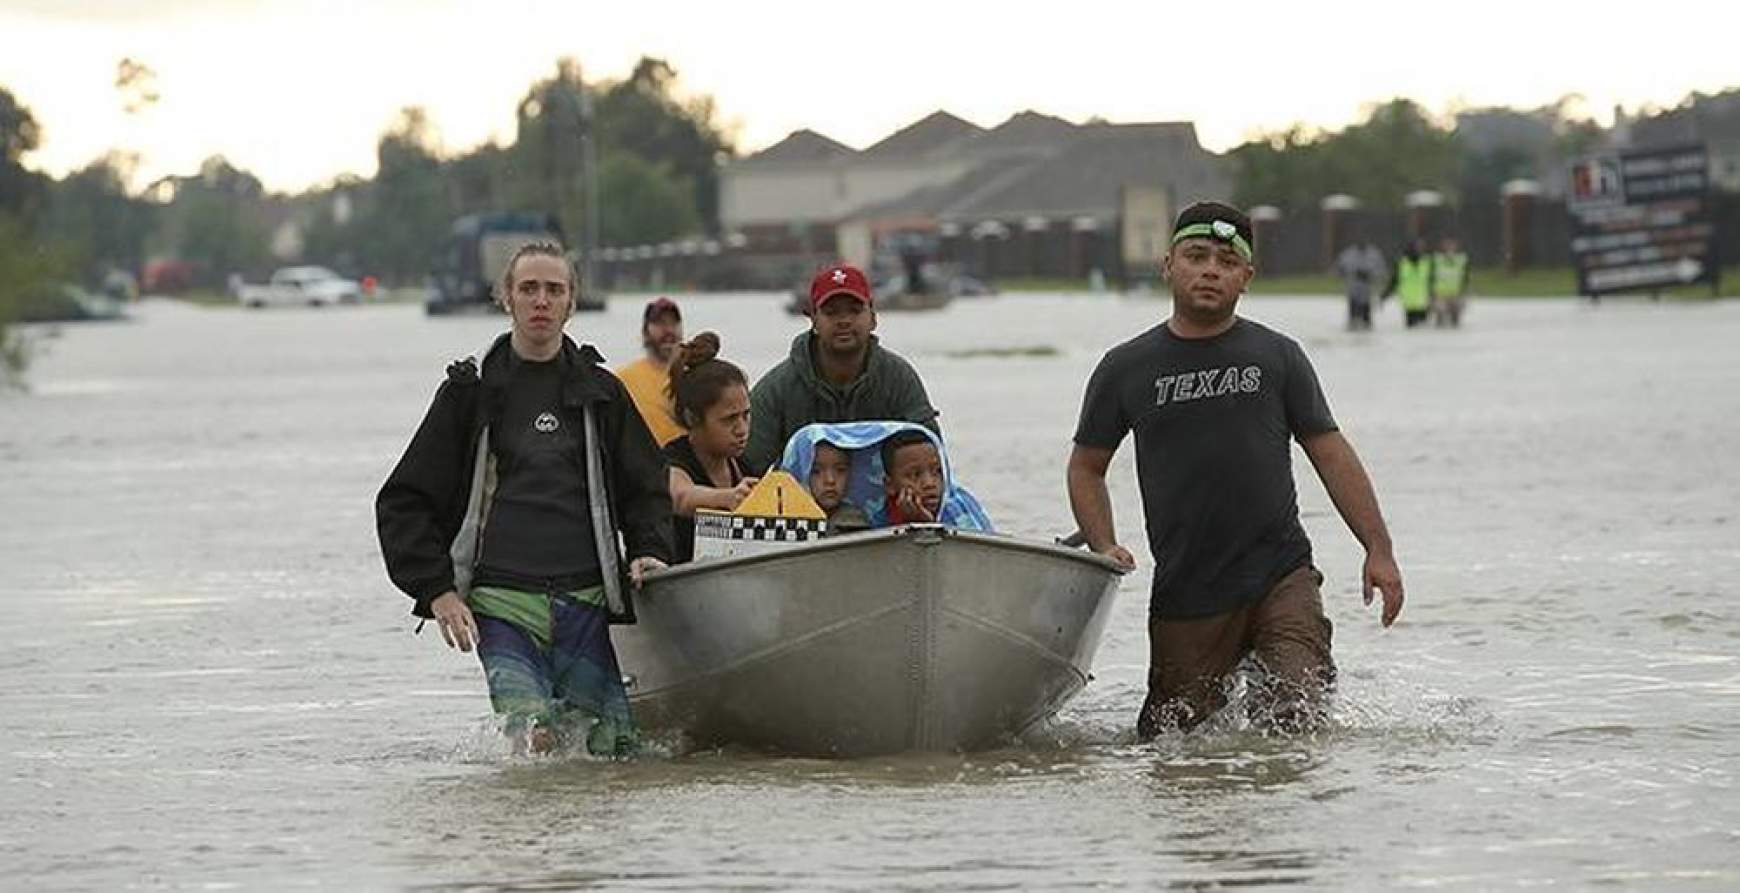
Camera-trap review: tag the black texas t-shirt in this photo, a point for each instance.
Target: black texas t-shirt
(1214, 421)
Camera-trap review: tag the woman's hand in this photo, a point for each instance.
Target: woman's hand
(741, 492)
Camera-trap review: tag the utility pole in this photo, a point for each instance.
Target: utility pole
(589, 192)
(588, 166)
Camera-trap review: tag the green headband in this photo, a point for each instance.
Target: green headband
(1220, 229)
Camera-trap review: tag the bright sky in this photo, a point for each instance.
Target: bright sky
(298, 92)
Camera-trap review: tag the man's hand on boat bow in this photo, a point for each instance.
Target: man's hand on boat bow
(1117, 553)
(638, 568)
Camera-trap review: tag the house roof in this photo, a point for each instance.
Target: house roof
(1089, 177)
(801, 147)
(936, 201)
(935, 132)
(1085, 176)
(1026, 131)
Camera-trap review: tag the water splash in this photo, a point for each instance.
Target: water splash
(491, 741)
(1364, 704)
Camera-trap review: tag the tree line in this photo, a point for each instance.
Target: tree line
(1398, 147)
(658, 153)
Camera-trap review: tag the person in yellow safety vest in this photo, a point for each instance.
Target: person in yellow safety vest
(1411, 282)
(1449, 283)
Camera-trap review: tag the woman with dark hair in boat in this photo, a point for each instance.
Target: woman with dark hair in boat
(711, 398)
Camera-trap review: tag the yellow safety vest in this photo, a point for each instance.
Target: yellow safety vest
(1413, 283)
(1449, 274)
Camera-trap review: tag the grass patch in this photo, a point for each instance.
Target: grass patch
(1000, 353)
(1551, 282)
(206, 297)
(1067, 285)
(209, 297)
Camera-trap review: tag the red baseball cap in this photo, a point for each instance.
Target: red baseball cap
(839, 279)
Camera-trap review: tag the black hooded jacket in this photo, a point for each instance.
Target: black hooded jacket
(422, 506)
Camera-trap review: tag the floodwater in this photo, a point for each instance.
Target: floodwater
(207, 681)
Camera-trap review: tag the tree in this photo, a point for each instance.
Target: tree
(216, 219)
(407, 208)
(137, 84)
(642, 203)
(332, 231)
(478, 179)
(22, 191)
(26, 263)
(543, 165)
(90, 209)
(1279, 169)
(1397, 149)
(27, 267)
(642, 116)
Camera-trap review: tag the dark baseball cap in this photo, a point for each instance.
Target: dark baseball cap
(658, 305)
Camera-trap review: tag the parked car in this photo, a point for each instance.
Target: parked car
(167, 277)
(66, 302)
(310, 286)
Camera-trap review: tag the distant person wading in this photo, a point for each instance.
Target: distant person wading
(1449, 283)
(1411, 283)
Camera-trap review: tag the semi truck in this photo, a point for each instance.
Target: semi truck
(470, 263)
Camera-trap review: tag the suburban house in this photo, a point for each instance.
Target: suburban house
(1035, 196)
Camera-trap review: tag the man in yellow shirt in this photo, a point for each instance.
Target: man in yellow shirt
(648, 378)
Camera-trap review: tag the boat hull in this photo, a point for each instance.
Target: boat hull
(913, 638)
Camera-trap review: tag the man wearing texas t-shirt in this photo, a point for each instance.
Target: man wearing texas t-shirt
(1215, 402)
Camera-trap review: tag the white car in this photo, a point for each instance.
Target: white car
(310, 286)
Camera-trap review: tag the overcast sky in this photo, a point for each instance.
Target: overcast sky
(298, 92)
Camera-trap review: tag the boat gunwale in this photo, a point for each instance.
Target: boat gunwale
(865, 538)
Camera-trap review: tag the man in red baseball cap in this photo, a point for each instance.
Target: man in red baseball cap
(837, 372)
(839, 279)
(648, 378)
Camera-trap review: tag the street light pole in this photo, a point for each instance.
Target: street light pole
(589, 188)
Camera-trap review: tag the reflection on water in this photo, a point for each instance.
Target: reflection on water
(208, 681)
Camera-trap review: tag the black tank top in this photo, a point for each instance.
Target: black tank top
(682, 455)
(539, 525)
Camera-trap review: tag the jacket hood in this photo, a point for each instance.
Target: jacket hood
(497, 356)
(862, 442)
(585, 353)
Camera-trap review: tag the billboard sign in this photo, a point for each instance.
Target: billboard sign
(1641, 221)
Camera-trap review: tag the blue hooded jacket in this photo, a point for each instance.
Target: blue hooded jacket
(864, 489)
